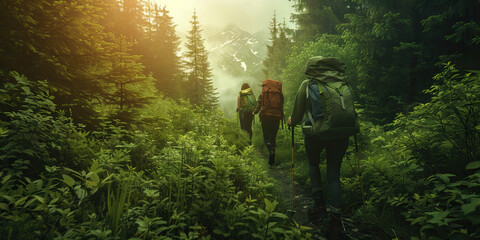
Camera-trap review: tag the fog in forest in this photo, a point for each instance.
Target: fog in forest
(238, 17)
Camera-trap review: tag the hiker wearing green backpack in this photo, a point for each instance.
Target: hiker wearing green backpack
(246, 104)
(326, 101)
(270, 106)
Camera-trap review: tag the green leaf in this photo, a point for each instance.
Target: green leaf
(9, 198)
(268, 205)
(279, 230)
(21, 201)
(40, 199)
(445, 177)
(29, 202)
(6, 178)
(279, 215)
(94, 166)
(68, 180)
(4, 206)
(271, 224)
(53, 201)
(91, 184)
(439, 218)
(473, 165)
(471, 207)
(95, 178)
(305, 228)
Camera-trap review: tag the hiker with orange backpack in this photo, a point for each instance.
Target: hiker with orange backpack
(270, 106)
(246, 104)
(327, 101)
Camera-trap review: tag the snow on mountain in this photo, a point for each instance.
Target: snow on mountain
(236, 57)
(239, 52)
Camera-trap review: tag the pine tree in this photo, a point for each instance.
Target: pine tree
(317, 17)
(132, 20)
(199, 87)
(62, 42)
(160, 56)
(69, 44)
(125, 84)
(278, 51)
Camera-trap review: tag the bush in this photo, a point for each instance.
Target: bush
(196, 180)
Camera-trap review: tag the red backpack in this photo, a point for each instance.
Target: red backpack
(272, 97)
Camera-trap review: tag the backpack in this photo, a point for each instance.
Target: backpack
(247, 100)
(272, 100)
(331, 113)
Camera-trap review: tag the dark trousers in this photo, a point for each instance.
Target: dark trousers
(270, 129)
(246, 119)
(335, 151)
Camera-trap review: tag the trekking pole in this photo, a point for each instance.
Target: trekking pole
(358, 166)
(293, 166)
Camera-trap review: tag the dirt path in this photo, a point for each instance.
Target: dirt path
(303, 201)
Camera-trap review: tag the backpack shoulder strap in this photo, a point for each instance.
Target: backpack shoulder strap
(309, 112)
(322, 93)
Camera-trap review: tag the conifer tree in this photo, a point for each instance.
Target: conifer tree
(278, 51)
(126, 87)
(75, 53)
(160, 56)
(61, 42)
(199, 84)
(132, 20)
(316, 17)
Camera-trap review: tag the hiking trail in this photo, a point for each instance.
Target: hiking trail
(303, 201)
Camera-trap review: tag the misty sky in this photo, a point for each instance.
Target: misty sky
(249, 15)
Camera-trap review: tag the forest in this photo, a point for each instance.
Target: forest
(111, 125)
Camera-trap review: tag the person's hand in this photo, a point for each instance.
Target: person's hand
(289, 121)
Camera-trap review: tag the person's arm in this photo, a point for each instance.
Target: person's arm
(238, 102)
(300, 104)
(259, 104)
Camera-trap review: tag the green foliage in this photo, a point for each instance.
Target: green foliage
(449, 208)
(195, 176)
(160, 51)
(35, 134)
(278, 51)
(442, 136)
(392, 48)
(315, 18)
(421, 168)
(199, 87)
(74, 53)
(443, 131)
(170, 170)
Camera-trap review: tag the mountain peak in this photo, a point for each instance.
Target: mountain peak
(232, 27)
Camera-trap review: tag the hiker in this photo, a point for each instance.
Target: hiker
(327, 102)
(246, 104)
(270, 106)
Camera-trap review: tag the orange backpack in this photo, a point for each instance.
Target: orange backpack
(272, 98)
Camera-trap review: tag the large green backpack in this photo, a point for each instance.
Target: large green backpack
(331, 112)
(247, 100)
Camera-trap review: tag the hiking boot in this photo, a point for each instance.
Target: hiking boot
(334, 231)
(317, 213)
